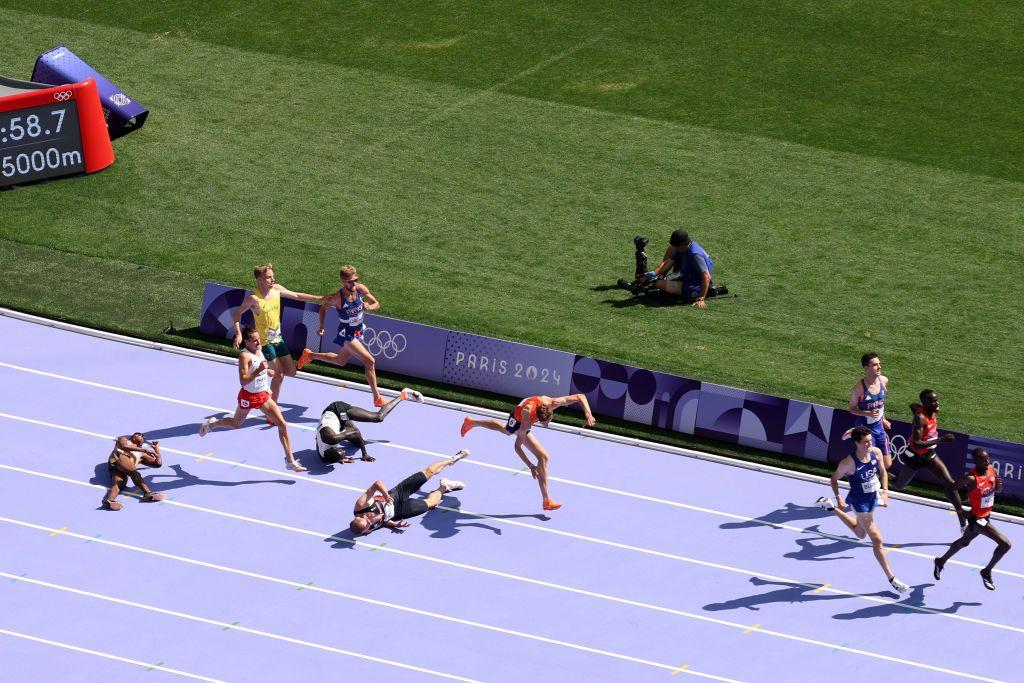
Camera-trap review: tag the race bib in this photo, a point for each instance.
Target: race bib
(242, 402)
(871, 485)
(273, 334)
(988, 501)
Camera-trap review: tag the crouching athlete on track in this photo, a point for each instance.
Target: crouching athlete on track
(123, 463)
(381, 507)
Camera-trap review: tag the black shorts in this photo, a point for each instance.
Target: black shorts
(405, 506)
(512, 425)
(918, 462)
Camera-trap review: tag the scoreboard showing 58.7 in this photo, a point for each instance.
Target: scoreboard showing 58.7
(40, 142)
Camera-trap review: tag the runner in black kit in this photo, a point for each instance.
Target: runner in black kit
(337, 424)
(380, 507)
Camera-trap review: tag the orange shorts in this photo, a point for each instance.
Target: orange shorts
(249, 401)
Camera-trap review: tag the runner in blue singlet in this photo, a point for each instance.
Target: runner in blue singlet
(351, 300)
(867, 403)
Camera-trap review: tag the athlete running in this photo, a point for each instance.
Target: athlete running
(254, 376)
(123, 463)
(983, 483)
(869, 486)
(921, 452)
(380, 507)
(351, 301)
(265, 304)
(867, 403)
(337, 424)
(532, 411)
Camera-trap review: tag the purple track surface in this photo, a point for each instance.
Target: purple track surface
(657, 566)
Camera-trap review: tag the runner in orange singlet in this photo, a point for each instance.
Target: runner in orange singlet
(983, 482)
(531, 411)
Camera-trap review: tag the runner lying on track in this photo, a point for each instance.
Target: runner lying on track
(380, 507)
(123, 463)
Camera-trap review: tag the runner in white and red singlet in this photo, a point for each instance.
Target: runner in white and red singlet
(983, 482)
(254, 376)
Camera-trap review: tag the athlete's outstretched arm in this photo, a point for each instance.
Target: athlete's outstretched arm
(248, 303)
(301, 296)
(575, 399)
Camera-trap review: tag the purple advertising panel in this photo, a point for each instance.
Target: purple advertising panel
(219, 303)
(398, 346)
(506, 367)
(1006, 457)
(808, 426)
(637, 395)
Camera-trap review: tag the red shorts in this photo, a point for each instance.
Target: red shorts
(249, 401)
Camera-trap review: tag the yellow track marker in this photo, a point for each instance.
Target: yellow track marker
(684, 667)
(204, 457)
(54, 533)
(821, 587)
(752, 628)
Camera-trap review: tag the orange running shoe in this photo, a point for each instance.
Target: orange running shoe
(551, 505)
(467, 424)
(379, 401)
(304, 358)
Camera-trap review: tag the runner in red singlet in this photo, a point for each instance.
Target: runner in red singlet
(983, 482)
(922, 452)
(530, 411)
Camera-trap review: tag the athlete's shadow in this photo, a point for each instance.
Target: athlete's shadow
(343, 540)
(818, 548)
(788, 592)
(445, 520)
(187, 429)
(785, 515)
(183, 478)
(316, 467)
(294, 414)
(904, 606)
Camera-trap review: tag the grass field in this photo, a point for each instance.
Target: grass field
(854, 169)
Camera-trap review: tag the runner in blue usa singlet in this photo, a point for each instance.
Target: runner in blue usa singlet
(864, 484)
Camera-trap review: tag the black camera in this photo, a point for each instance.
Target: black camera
(635, 287)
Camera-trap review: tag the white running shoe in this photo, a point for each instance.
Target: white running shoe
(205, 427)
(449, 485)
(825, 503)
(464, 453)
(412, 395)
(898, 585)
(295, 466)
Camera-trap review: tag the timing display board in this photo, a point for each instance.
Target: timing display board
(40, 142)
(52, 132)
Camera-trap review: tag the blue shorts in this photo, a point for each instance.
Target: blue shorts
(347, 334)
(863, 504)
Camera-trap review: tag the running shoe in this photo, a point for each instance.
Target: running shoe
(112, 505)
(153, 497)
(304, 358)
(467, 424)
(937, 571)
(898, 585)
(551, 505)
(825, 503)
(379, 401)
(464, 453)
(449, 485)
(205, 427)
(412, 395)
(986, 580)
(295, 466)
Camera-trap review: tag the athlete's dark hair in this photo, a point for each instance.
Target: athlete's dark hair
(247, 330)
(859, 432)
(332, 455)
(679, 238)
(138, 434)
(867, 358)
(926, 392)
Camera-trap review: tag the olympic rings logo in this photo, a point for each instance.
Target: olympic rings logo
(63, 95)
(898, 446)
(384, 343)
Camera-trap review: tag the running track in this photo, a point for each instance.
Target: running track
(658, 567)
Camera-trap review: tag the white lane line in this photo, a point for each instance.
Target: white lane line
(472, 461)
(515, 577)
(233, 627)
(351, 596)
(511, 522)
(106, 655)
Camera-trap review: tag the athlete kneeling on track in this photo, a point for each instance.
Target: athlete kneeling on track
(337, 424)
(123, 463)
(381, 507)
